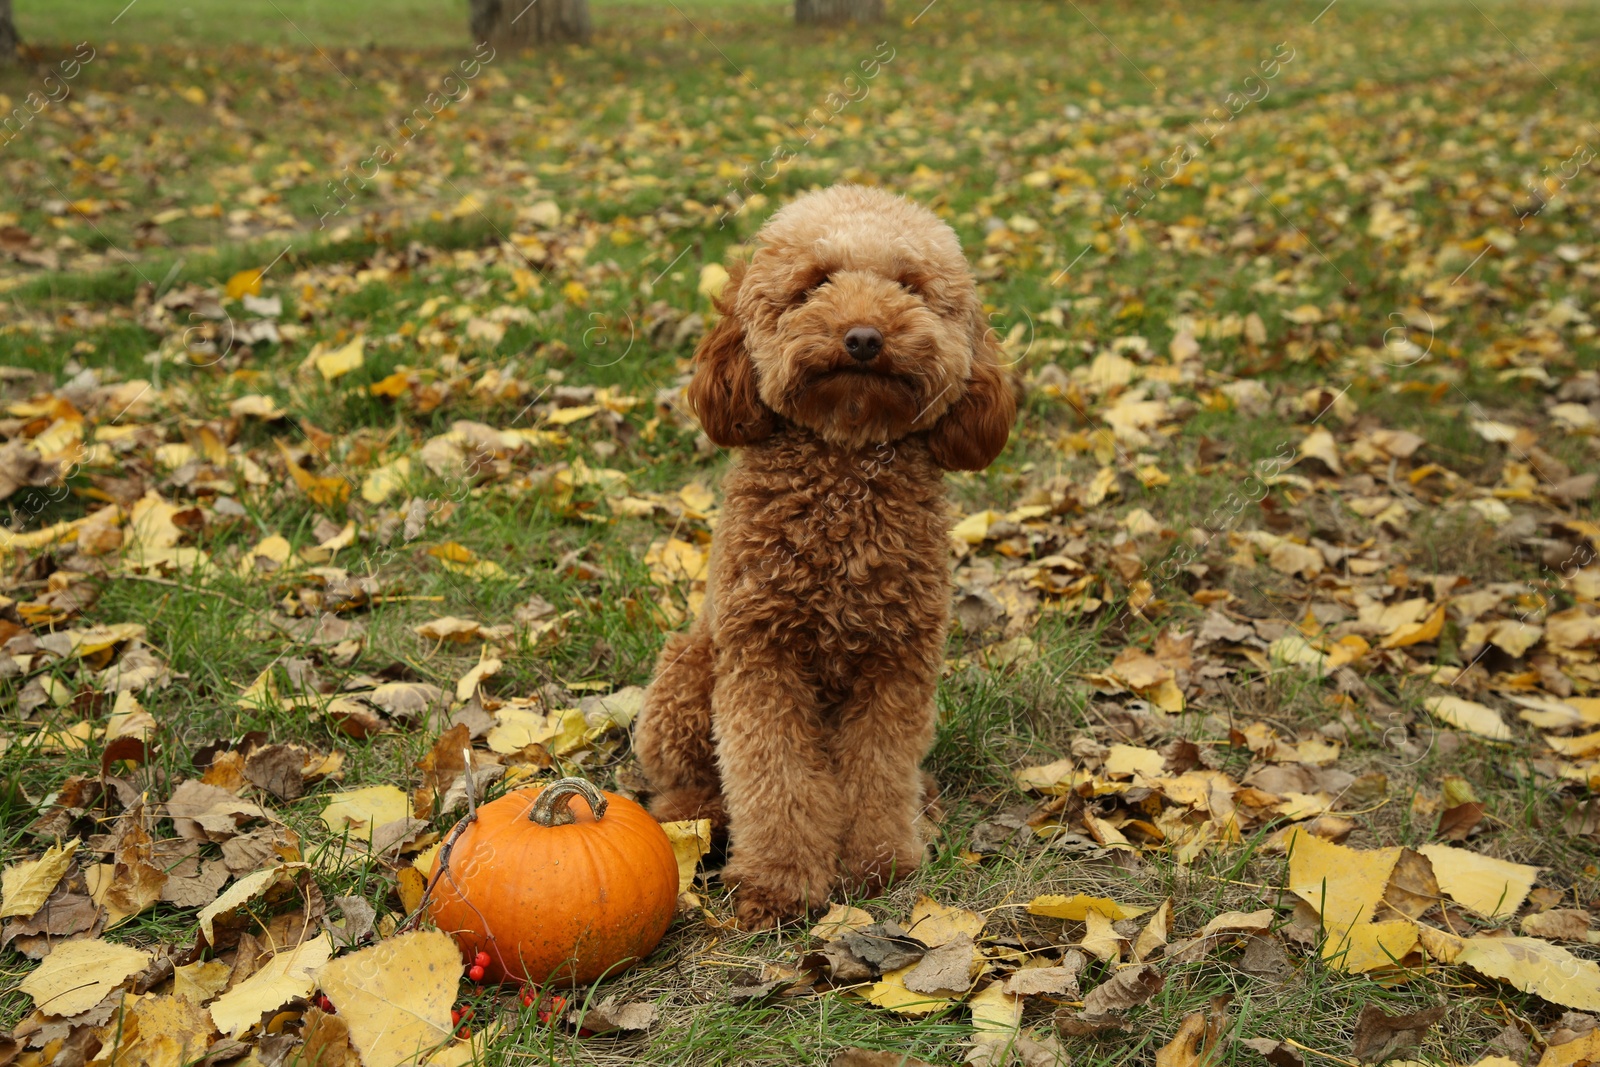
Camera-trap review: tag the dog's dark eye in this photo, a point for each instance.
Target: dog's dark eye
(910, 287)
(805, 294)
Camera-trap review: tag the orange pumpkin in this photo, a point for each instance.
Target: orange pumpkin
(553, 890)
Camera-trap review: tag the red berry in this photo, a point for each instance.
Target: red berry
(475, 972)
(481, 959)
(551, 1009)
(455, 1016)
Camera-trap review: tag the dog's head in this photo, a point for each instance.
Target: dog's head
(856, 318)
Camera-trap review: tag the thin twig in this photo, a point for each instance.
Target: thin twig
(466, 769)
(153, 580)
(441, 863)
(1316, 1052)
(1235, 881)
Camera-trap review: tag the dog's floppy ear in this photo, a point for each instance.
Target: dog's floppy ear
(723, 393)
(971, 434)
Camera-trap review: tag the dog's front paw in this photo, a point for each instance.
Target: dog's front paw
(689, 803)
(771, 898)
(758, 908)
(870, 867)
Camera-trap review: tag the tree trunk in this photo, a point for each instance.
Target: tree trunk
(518, 24)
(8, 35)
(837, 12)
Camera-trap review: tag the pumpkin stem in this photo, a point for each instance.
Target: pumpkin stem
(550, 809)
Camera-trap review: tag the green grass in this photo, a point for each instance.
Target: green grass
(1021, 108)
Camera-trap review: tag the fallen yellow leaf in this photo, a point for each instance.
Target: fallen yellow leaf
(340, 361)
(975, 527)
(1536, 966)
(245, 283)
(1469, 716)
(1368, 946)
(690, 840)
(996, 1015)
(935, 924)
(1416, 633)
(1343, 884)
(1585, 1049)
(77, 975)
(1079, 906)
(383, 482)
(840, 920)
(396, 996)
(25, 886)
(891, 992)
(713, 279)
(361, 811)
(1488, 886)
(288, 975)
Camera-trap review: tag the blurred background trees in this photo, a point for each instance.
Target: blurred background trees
(837, 12)
(521, 23)
(8, 34)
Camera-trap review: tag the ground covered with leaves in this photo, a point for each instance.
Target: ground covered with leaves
(348, 482)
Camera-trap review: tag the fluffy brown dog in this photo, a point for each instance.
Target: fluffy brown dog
(854, 365)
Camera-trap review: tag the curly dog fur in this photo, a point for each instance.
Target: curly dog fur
(797, 709)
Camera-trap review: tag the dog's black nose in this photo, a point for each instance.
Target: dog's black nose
(863, 342)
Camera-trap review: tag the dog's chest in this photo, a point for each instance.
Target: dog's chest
(835, 548)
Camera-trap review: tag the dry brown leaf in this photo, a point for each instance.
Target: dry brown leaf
(609, 1016)
(1060, 981)
(1558, 924)
(1126, 988)
(947, 970)
(1379, 1036)
(1277, 1053)
(1412, 888)
(860, 1057)
(136, 881)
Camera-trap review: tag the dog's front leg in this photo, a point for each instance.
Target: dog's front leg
(673, 734)
(784, 818)
(885, 729)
